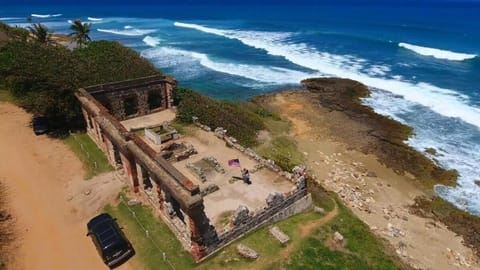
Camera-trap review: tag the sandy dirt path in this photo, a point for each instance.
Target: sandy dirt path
(39, 173)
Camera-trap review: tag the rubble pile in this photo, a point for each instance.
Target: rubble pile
(215, 164)
(197, 171)
(458, 260)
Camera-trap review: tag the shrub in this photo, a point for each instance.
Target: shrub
(43, 78)
(239, 121)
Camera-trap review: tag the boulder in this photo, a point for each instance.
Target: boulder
(338, 237)
(279, 235)
(247, 252)
(240, 216)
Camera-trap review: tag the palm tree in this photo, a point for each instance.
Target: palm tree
(41, 33)
(80, 32)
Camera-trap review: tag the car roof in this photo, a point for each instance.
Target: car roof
(98, 219)
(104, 229)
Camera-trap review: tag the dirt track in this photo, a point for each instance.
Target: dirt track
(41, 175)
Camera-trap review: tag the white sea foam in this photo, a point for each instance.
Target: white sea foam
(264, 74)
(46, 15)
(94, 19)
(459, 150)
(443, 101)
(10, 18)
(128, 31)
(151, 41)
(437, 53)
(69, 21)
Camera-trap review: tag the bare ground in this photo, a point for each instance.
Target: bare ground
(49, 199)
(376, 194)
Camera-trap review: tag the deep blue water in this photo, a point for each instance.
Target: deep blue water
(421, 61)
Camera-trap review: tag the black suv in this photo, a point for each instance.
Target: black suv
(111, 243)
(40, 125)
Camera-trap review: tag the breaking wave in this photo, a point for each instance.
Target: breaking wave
(151, 41)
(94, 19)
(46, 15)
(264, 74)
(454, 151)
(443, 101)
(437, 53)
(128, 31)
(10, 18)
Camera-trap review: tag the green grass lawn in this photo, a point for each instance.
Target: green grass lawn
(280, 147)
(363, 250)
(94, 160)
(150, 256)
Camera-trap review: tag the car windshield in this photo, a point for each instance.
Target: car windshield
(115, 250)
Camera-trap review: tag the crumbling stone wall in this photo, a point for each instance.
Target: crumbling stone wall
(179, 201)
(113, 96)
(137, 159)
(282, 207)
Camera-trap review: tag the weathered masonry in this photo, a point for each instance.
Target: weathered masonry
(178, 199)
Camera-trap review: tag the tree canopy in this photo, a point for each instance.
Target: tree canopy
(44, 78)
(80, 32)
(41, 33)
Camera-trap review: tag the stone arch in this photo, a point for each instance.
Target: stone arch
(130, 105)
(154, 100)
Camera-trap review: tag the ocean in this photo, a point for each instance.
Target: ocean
(422, 62)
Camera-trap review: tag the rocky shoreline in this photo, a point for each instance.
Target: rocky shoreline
(361, 156)
(368, 132)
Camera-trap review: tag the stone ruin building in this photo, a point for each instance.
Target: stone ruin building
(179, 200)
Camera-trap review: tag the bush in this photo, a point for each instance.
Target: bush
(239, 121)
(44, 78)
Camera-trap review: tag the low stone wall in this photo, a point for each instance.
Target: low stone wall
(263, 163)
(275, 212)
(279, 206)
(296, 203)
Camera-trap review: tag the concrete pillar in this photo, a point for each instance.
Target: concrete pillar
(110, 152)
(161, 198)
(142, 103)
(202, 234)
(88, 123)
(131, 170)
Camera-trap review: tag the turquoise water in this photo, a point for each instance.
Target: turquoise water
(421, 62)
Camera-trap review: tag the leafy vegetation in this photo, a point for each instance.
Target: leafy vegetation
(93, 159)
(239, 121)
(41, 33)
(80, 32)
(7, 33)
(43, 78)
(5, 95)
